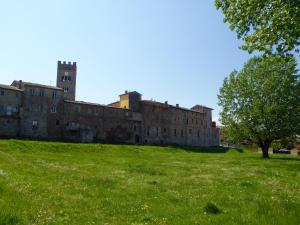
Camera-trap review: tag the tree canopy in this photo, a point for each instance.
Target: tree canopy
(261, 103)
(269, 26)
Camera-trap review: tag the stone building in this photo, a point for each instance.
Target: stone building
(47, 112)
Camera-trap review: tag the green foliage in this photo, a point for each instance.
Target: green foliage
(211, 208)
(60, 183)
(261, 103)
(264, 25)
(287, 142)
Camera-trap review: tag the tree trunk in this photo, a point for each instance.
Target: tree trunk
(265, 151)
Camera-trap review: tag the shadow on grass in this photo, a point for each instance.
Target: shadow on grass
(217, 149)
(288, 158)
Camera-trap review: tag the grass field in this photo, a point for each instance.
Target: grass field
(62, 183)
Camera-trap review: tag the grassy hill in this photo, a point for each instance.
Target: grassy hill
(62, 183)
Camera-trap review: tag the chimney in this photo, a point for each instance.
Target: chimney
(20, 84)
(166, 102)
(126, 92)
(177, 105)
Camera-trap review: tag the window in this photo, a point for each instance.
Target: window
(190, 131)
(181, 132)
(2, 92)
(31, 92)
(57, 122)
(34, 124)
(198, 133)
(66, 89)
(165, 130)
(29, 107)
(66, 78)
(53, 94)
(157, 131)
(2, 108)
(134, 127)
(175, 132)
(42, 92)
(53, 109)
(77, 109)
(148, 132)
(66, 72)
(17, 94)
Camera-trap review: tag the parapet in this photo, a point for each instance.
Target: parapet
(66, 65)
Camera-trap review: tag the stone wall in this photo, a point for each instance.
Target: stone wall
(166, 124)
(47, 112)
(42, 108)
(10, 106)
(91, 122)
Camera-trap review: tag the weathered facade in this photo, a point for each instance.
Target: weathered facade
(47, 112)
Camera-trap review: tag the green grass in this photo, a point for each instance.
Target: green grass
(62, 183)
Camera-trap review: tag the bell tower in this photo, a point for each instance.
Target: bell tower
(66, 79)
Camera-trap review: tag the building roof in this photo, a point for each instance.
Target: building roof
(16, 82)
(113, 103)
(92, 104)
(10, 87)
(172, 106)
(202, 106)
(130, 92)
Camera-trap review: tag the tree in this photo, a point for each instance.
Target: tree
(287, 142)
(261, 103)
(269, 26)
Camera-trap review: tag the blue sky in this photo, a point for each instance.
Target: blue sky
(175, 50)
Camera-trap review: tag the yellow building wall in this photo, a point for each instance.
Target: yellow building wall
(124, 101)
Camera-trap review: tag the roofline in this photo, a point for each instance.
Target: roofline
(37, 84)
(10, 87)
(93, 104)
(172, 106)
(129, 92)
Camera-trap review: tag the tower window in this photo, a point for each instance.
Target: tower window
(66, 89)
(66, 78)
(66, 73)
